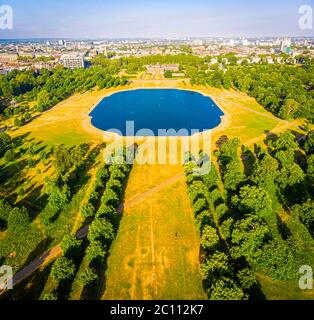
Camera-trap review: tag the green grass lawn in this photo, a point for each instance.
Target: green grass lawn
(283, 290)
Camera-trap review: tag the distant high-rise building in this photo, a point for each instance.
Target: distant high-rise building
(48, 43)
(73, 61)
(231, 42)
(285, 45)
(198, 42)
(61, 42)
(245, 42)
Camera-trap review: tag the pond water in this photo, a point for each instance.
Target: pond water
(154, 110)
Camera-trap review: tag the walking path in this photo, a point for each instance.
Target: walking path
(53, 253)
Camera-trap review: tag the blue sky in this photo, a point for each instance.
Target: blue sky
(154, 18)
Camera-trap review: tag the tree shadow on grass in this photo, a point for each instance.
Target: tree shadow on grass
(32, 287)
(96, 290)
(248, 159)
(40, 249)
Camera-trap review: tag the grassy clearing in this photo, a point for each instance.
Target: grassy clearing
(156, 249)
(147, 260)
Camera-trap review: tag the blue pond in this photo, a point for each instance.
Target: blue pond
(154, 109)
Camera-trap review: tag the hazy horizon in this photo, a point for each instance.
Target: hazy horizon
(96, 19)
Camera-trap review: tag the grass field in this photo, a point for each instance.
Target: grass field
(155, 255)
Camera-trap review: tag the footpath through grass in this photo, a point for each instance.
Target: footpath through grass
(155, 255)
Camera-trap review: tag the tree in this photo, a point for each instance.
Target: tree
(63, 269)
(101, 229)
(108, 212)
(289, 109)
(200, 205)
(43, 98)
(102, 175)
(228, 151)
(286, 142)
(88, 210)
(310, 165)
(247, 279)
(63, 160)
(215, 266)
(278, 259)
(58, 196)
(18, 219)
(226, 289)
(9, 155)
(210, 238)
(95, 251)
(286, 158)
(70, 245)
(226, 229)
(5, 210)
(87, 277)
(233, 175)
(211, 179)
(110, 198)
(196, 190)
(31, 162)
(309, 143)
(5, 141)
(290, 176)
(248, 236)
(221, 211)
(305, 212)
(115, 185)
(254, 199)
(265, 171)
(17, 122)
(50, 296)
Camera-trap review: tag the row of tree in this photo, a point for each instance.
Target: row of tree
(102, 213)
(238, 210)
(286, 91)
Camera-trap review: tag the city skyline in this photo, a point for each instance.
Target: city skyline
(143, 19)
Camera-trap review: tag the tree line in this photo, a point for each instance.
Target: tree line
(46, 88)
(82, 263)
(239, 207)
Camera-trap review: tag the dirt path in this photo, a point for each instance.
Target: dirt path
(286, 125)
(53, 253)
(135, 200)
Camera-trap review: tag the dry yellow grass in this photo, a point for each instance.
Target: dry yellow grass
(147, 260)
(155, 255)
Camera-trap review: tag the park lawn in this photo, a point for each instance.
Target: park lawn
(153, 262)
(172, 271)
(283, 290)
(66, 122)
